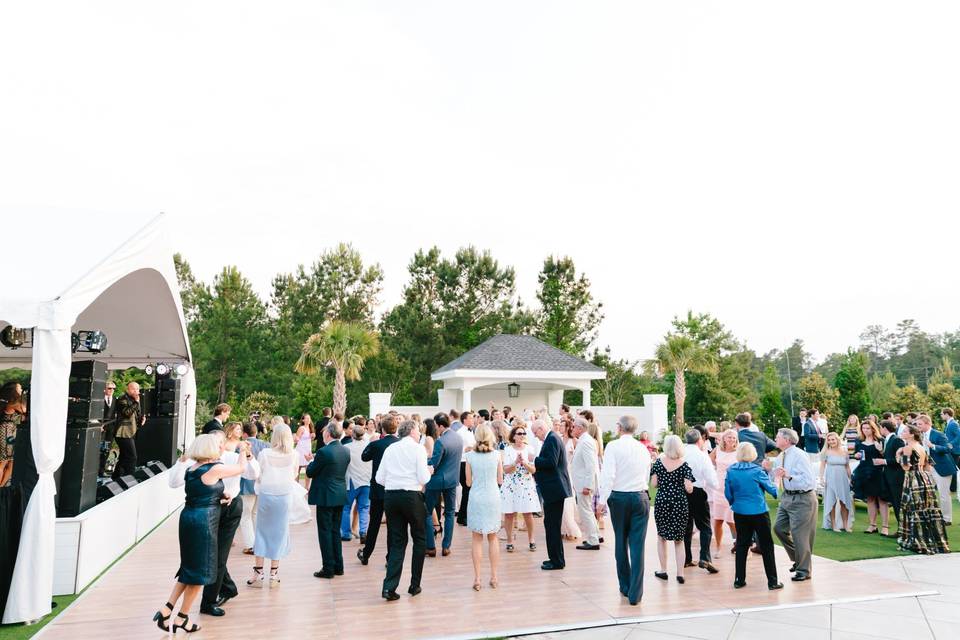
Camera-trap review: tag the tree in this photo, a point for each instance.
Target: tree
(568, 317)
(190, 289)
(260, 402)
(943, 395)
(909, 398)
(228, 337)
(771, 412)
(813, 392)
(944, 373)
(877, 342)
(679, 355)
(880, 389)
(344, 347)
(851, 384)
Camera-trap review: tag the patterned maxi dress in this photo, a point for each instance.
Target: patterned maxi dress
(921, 521)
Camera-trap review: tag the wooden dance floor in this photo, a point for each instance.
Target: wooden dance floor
(528, 600)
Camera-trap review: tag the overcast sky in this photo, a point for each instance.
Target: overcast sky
(791, 168)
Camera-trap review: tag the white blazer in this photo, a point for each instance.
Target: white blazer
(585, 467)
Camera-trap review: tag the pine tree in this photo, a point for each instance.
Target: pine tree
(772, 413)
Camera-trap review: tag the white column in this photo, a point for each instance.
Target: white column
(465, 399)
(657, 404)
(379, 403)
(586, 396)
(554, 400)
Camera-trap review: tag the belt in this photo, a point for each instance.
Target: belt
(792, 492)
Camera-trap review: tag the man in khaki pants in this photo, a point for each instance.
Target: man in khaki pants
(796, 524)
(584, 471)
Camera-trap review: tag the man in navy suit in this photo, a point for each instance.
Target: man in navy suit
(328, 492)
(892, 471)
(374, 453)
(952, 431)
(758, 439)
(811, 438)
(554, 483)
(445, 461)
(944, 464)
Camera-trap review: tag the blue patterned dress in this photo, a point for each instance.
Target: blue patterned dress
(483, 509)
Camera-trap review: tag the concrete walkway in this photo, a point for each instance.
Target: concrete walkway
(933, 617)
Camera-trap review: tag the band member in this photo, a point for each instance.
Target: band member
(109, 425)
(129, 418)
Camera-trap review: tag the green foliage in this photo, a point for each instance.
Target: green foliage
(942, 395)
(311, 393)
(909, 398)
(123, 377)
(260, 402)
(771, 413)
(813, 392)
(19, 375)
(851, 384)
(568, 316)
(680, 354)
(880, 389)
(344, 347)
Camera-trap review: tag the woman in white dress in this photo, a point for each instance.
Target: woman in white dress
(304, 441)
(568, 525)
(275, 488)
(518, 495)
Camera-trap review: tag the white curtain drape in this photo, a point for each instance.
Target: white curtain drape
(31, 589)
(188, 417)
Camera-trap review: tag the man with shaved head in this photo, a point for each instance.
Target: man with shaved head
(129, 418)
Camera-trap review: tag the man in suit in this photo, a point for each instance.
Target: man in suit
(374, 453)
(584, 475)
(758, 439)
(328, 491)
(944, 464)
(220, 416)
(952, 431)
(129, 419)
(109, 425)
(811, 438)
(892, 471)
(554, 484)
(445, 462)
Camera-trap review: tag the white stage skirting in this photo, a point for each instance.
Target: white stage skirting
(90, 542)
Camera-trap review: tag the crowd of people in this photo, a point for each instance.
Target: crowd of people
(498, 473)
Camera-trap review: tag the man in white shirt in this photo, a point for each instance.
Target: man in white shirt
(584, 471)
(469, 442)
(358, 485)
(624, 480)
(403, 471)
(705, 479)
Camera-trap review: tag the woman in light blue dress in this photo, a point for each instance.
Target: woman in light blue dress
(835, 478)
(484, 473)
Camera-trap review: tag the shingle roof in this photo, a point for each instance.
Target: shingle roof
(518, 353)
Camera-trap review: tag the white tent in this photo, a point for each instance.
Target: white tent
(72, 271)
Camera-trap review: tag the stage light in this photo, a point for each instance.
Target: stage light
(148, 369)
(14, 338)
(180, 370)
(88, 341)
(163, 369)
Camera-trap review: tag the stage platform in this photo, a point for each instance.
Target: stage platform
(529, 600)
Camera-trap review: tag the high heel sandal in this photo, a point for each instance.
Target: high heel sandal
(509, 548)
(477, 586)
(257, 579)
(274, 578)
(493, 583)
(183, 625)
(159, 618)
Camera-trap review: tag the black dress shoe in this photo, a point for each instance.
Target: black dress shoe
(708, 566)
(775, 586)
(362, 559)
(338, 572)
(222, 600)
(323, 574)
(661, 574)
(588, 547)
(414, 590)
(390, 595)
(739, 585)
(601, 539)
(800, 578)
(549, 566)
(793, 567)
(212, 611)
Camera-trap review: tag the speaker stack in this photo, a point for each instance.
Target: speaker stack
(77, 481)
(157, 438)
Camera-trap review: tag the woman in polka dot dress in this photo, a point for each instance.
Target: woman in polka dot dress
(673, 480)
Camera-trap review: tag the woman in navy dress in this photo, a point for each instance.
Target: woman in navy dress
(199, 521)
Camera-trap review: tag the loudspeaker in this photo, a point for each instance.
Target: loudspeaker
(126, 482)
(107, 490)
(89, 370)
(77, 490)
(88, 379)
(157, 440)
(143, 473)
(157, 467)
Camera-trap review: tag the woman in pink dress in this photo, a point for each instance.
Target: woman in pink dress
(304, 448)
(724, 455)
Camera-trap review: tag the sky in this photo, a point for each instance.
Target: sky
(790, 168)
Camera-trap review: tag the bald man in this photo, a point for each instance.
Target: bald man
(129, 418)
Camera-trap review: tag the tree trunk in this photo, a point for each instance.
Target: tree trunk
(340, 393)
(679, 396)
(222, 385)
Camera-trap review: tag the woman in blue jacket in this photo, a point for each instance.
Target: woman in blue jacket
(744, 487)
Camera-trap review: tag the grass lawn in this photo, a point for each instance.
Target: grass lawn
(856, 545)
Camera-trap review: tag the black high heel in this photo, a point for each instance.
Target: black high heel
(159, 618)
(183, 625)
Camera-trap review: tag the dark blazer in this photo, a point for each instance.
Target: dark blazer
(551, 475)
(213, 425)
(952, 431)
(760, 441)
(329, 470)
(810, 437)
(447, 451)
(941, 454)
(893, 470)
(373, 452)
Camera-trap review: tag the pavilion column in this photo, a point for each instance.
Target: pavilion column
(466, 399)
(586, 395)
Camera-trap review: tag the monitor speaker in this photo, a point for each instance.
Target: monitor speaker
(126, 482)
(107, 490)
(77, 490)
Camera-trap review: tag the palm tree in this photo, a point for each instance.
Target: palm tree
(343, 346)
(679, 355)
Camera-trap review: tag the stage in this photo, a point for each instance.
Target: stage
(528, 600)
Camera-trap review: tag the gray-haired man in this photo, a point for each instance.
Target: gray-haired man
(796, 524)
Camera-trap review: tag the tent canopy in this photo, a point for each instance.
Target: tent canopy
(93, 271)
(80, 271)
